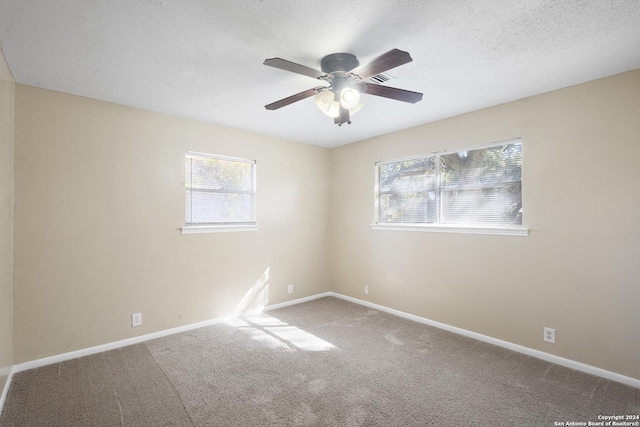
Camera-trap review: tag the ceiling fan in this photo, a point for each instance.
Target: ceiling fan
(347, 79)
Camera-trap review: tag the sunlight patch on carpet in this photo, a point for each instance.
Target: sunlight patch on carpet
(279, 335)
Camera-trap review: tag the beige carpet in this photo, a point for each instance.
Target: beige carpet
(323, 363)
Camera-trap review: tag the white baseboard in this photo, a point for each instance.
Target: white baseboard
(578, 366)
(110, 346)
(135, 340)
(298, 301)
(5, 389)
(633, 382)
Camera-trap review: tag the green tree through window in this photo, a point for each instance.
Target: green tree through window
(219, 190)
(479, 187)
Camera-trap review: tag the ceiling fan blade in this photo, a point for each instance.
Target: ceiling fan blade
(283, 64)
(390, 92)
(392, 59)
(291, 99)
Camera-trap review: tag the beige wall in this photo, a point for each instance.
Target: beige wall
(98, 210)
(578, 271)
(7, 90)
(99, 203)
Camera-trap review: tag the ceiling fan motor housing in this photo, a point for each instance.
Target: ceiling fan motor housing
(338, 62)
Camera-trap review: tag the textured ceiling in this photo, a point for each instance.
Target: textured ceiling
(203, 59)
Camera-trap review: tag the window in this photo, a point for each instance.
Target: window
(467, 189)
(220, 193)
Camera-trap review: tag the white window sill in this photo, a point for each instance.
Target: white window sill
(193, 229)
(439, 228)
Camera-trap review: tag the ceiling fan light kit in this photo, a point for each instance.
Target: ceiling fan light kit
(347, 80)
(329, 102)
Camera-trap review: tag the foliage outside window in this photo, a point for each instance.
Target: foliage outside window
(219, 190)
(478, 188)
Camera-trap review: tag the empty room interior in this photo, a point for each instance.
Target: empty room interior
(319, 213)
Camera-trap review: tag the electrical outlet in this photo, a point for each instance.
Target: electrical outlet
(366, 290)
(550, 335)
(136, 319)
(290, 289)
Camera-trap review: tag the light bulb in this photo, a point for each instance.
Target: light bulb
(349, 97)
(324, 100)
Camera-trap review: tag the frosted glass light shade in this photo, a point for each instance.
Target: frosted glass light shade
(355, 109)
(349, 98)
(334, 110)
(324, 100)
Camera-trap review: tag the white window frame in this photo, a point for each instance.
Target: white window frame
(442, 228)
(223, 227)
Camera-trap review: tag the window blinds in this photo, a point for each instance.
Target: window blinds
(219, 190)
(480, 187)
